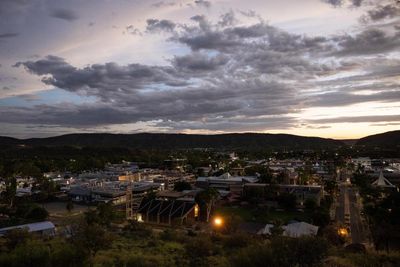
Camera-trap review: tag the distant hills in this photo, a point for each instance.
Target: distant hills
(384, 140)
(180, 141)
(219, 141)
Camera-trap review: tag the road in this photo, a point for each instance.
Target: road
(347, 203)
(340, 205)
(356, 225)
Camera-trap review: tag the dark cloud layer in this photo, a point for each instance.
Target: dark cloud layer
(382, 12)
(8, 35)
(64, 14)
(155, 25)
(203, 3)
(370, 41)
(236, 77)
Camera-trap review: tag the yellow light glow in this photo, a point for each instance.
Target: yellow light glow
(343, 232)
(218, 221)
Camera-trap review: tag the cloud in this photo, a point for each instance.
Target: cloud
(233, 77)
(98, 79)
(335, 3)
(203, 3)
(132, 30)
(163, 4)
(357, 3)
(369, 41)
(15, 7)
(228, 19)
(383, 12)
(249, 13)
(199, 62)
(64, 14)
(155, 25)
(359, 119)
(8, 35)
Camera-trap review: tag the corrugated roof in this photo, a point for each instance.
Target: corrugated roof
(32, 227)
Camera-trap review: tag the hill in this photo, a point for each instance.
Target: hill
(383, 140)
(180, 141)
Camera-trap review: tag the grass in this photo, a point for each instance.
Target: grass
(262, 215)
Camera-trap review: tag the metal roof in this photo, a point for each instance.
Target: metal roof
(31, 227)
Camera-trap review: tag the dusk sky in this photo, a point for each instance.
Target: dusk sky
(328, 68)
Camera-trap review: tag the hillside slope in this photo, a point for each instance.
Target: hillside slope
(171, 141)
(384, 140)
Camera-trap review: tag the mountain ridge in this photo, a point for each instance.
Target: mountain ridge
(171, 140)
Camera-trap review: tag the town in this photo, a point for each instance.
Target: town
(202, 197)
(199, 133)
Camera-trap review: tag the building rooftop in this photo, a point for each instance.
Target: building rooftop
(31, 227)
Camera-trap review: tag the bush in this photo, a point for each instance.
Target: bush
(144, 261)
(237, 241)
(199, 247)
(283, 252)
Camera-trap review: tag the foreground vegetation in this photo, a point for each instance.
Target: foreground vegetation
(137, 245)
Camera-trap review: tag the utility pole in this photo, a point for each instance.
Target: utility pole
(129, 200)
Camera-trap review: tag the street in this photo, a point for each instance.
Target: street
(348, 210)
(356, 226)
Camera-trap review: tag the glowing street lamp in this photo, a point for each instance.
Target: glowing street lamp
(218, 221)
(343, 232)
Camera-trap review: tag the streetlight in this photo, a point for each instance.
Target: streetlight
(343, 232)
(218, 221)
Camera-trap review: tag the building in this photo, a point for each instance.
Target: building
(175, 164)
(298, 229)
(169, 178)
(362, 161)
(294, 229)
(226, 182)
(167, 212)
(130, 177)
(44, 229)
(383, 182)
(114, 192)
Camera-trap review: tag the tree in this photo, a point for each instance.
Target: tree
(31, 212)
(70, 205)
(287, 201)
(11, 190)
(31, 253)
(310, 205)
(205, 199)
(181, 186)
(331, 186)
(321, 217)
(106, 213)
(91, 238)
(16, 237)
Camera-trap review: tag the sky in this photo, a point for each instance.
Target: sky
(328, 68)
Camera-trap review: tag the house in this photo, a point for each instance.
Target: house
(226, 182)
(167, 212)
(295, 229)
(45, 228)
(298, 229)
(80, 193)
